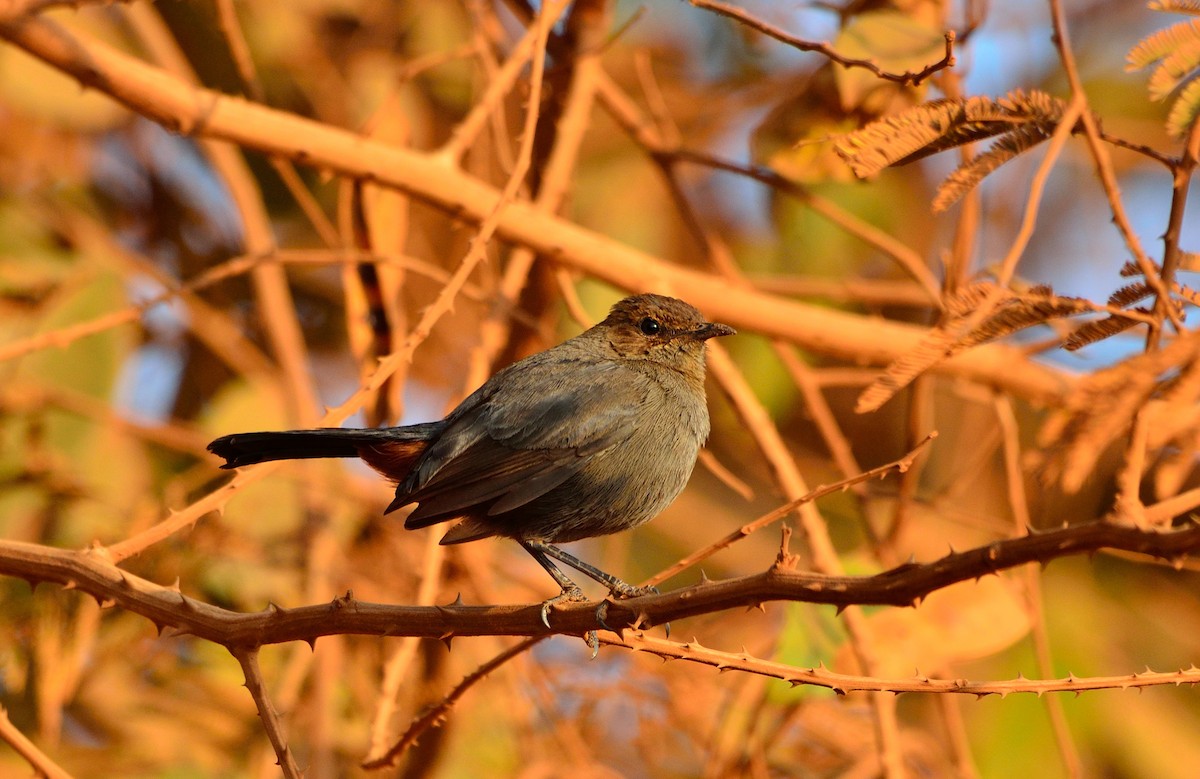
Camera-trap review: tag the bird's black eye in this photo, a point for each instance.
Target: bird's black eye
(649, 326)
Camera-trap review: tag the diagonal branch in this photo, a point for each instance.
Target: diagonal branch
(184, 108)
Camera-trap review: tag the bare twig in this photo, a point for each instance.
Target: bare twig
(1103, 163)
(436, 715)
(753, 22)
(1015, 482)
(779, 513)
(38, 760)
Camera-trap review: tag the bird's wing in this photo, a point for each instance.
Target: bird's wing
(522, 437)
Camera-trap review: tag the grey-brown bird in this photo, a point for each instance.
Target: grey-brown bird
(595, 435)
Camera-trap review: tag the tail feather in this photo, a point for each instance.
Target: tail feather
(389, 450)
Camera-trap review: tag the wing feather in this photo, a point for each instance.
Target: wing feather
(521, 435)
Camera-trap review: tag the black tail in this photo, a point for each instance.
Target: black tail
(249, 448)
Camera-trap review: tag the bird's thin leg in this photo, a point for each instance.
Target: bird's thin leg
(617, 587)
(570, 590)
(542, 552)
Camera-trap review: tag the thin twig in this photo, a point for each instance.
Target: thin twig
(753, 22)
(38, 760)
(1015, 483)
(436, 714)
(776, 514)
(498, 88)
(1103, 162)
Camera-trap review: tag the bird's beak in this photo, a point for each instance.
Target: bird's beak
(712, 330)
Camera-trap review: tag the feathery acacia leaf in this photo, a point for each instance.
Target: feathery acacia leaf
(1176, 6)
(1131, 269)
(1008, 312)
(1176, 49)
(967, 299)
(1174, 68)
(1160, 44)
(1020, 312)
(1185, 110)
(1098, 330)
(944, 124)
(1130, 294)
(970, 173)
(1187, 293)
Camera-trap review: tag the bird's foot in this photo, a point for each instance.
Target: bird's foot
(623, 591)
(570, 594)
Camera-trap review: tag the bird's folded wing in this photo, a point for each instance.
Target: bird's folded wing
(515, 446)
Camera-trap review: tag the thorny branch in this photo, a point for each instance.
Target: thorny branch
(248, 659)
(845, 683)
(174, 613)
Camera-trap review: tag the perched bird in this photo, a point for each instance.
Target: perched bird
(595, 435)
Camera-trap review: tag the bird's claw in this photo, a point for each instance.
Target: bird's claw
(575, 595)
(568, 595)
(601, 613)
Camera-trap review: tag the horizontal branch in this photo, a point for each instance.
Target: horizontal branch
(173, 612)
(434, 179)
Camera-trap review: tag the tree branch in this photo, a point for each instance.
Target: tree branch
(905, 585)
